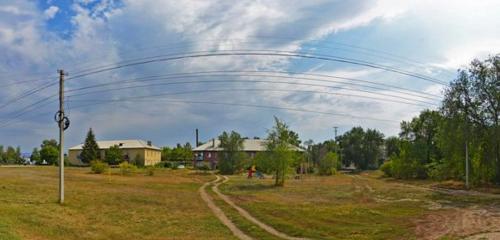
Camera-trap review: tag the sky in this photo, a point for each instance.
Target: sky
(401, 55)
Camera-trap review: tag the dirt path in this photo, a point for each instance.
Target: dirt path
(219, 213)
(472, 223)
(249, 217)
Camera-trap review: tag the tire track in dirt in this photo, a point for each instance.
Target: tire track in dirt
(248, 216)
(219, 213)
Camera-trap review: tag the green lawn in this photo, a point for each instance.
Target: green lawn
(164, 206)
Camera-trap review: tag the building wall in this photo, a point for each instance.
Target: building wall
(146, 157)
(211, 158)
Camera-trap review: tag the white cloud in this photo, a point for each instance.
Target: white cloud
(51, 12)
(104, 34)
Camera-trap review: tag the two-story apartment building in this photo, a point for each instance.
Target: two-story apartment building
(210, 152)
(133, 150)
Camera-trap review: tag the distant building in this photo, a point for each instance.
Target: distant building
(144, 152)
(210, 152)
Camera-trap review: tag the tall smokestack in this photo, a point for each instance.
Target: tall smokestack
(196, 144)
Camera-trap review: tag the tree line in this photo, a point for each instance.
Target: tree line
(10, 155)
(437, 143)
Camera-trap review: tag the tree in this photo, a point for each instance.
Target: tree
(19, 158)
(113, 155)
(183, 153)
(90, 150)
(472, 105)
(328, 164)
(362, 148)
(392, 146)
(280, 155)
(166, 152)
(187, 153)
(11, 156)
(2, 155)
(35, 156)
(49, 151)
(232, 157)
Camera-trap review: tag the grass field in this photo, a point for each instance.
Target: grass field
(163, 206)
(364, 207)
(168, 206)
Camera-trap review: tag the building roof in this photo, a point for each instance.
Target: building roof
(124, 144)
(249, 145)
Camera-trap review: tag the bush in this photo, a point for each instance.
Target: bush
(174, 166)
(98, 167)
(127, 168)
(328, 164)
(150, 170)
(203, 167)
(163, 164)
(386, 167)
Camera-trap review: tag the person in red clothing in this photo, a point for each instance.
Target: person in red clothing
(250, 172)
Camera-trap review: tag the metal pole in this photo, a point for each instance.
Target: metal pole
(61, 136)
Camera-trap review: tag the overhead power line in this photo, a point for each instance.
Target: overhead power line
(318, 78)
(261, 90)
(248, 81)
(274, 53)
(247, 105)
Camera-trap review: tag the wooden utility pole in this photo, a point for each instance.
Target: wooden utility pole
(61, 122)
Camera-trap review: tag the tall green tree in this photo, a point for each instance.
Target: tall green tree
(90, 150)
(49, 151)
(11, 155)
(113, 155)
(473, 102)
(392, 146)
(232, 156)
(35, 156)
(280, 155)
(363, 149)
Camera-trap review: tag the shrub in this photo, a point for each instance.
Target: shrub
(98, 167)
(203, 167)
(127, 168)
(174, 166)
(328, 164)
(386, 167)
(163, 164)
(150, 170)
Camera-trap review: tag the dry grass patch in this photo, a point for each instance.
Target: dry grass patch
(106, 206)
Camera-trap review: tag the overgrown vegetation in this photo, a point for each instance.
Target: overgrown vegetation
(328, 165)
(433, 145)
(127, 168)
(98, 167)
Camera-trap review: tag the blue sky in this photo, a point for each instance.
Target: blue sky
(432, 38)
